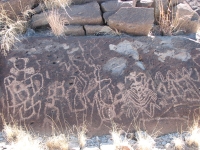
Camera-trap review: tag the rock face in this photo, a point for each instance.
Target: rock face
(136, 21)
(87, 1)
(16, 7)
(98, 80)
(145, 3)
(98, 30)
(76, 14)
(186, 18)
(74, 30)
(115, 5)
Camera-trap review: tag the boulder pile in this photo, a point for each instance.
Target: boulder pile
(135, 17)
(131, 17)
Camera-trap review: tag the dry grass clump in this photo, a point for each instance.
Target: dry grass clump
(10, 30)
(27, 142)
(59, 142)
(165, 23)
(166, 20)
(57, 3)
(194, 138)
(115, 133)
(13, 133)
(178, 143)
(81, 131)
(28, 12)
(119, 142)
(20, 139)
(56, 22)
(144, 141)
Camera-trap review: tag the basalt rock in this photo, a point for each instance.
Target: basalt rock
(74, 15)
(87, 1)
(98, 30)
(116, 5)
(186, 19)
(145, 3)
(136, 21)
(153, 82)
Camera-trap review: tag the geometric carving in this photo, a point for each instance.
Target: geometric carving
(139, 97)
(60, 86)
(179, 86)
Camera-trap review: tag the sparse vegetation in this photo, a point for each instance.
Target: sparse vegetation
(178, 143)
(119, 142)
(10, 30)
(194, 138)
(56, 22)
(59, 142)
(52, 4)
(144, 141)
(13, 133)
(167, 21)
(81, 131)
(20, 139)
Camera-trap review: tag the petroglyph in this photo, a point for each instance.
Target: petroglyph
(179, 86)
(72, 50)
(139, 97)
(136, 95)
(56, 91)
(101, 85)
(23, 87)
(80, 94)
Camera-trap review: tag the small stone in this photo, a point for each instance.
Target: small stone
(164, 143)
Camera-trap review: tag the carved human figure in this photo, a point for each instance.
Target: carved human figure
(180, 86)
(137, 96)
(22, 89)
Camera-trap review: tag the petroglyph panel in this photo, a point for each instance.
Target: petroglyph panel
(99, 80)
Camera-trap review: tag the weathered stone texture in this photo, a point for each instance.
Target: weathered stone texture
(98, 80)
(186, 19)
(136, 21)
(115, 5)
(144, 3)
(98, 30)
(74, 30)
(76, 14)
(106, 15)
(87, 1)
